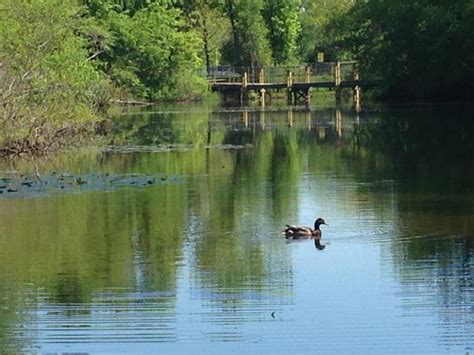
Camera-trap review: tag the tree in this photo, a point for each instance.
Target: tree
(152, 54)
(49, 87)
(208, 18)
(282, 20)
(249, 44)
(100, 8)
(318, 27)
(421, 49)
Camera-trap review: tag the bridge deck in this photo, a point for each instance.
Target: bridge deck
(228, 86)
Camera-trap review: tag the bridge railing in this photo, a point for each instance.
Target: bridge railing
(225, 73)
(319, 72)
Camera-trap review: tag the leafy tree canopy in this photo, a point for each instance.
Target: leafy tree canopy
(420, 49)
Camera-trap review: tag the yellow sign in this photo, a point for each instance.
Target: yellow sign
(320, 57)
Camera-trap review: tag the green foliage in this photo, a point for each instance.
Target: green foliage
(48, 87)
(151, 52)
(282, 19)
(249, 44)
(100, 8)
(318, 21)
(208, 18)
(421, 49)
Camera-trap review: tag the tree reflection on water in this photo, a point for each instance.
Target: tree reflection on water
(212, 232)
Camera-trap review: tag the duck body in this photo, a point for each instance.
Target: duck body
(302, 232)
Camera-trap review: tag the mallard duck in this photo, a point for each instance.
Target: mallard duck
(301, 232)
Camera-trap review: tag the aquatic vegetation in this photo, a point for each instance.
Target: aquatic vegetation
(16, 185)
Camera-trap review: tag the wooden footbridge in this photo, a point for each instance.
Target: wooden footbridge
(238, 83)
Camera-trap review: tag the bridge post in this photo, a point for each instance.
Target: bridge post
(307, 73)
(245, 79)
(356, 91)
(337, 80)
(261, 76)
(243, 91)
(337, 73)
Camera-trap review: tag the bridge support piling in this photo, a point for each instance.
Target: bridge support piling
(337, 82)
(356, 98)
(307, 97)
(244, 96)
(338, 95)
(357, 90)
(262, 97)
(300, 96)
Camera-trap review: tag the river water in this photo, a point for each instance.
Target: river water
(168, 237)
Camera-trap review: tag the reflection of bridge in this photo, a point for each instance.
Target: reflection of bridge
(331, 124)
(237, 82)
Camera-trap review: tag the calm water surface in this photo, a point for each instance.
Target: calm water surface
(169, 239)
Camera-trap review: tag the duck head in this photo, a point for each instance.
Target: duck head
(318, 222)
